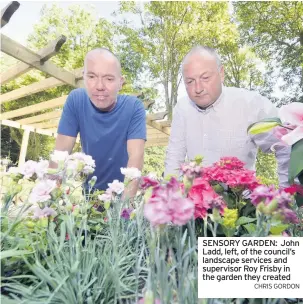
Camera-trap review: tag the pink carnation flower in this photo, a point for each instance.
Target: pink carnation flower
(116, 187)
(41, 168)
(41, 192)
(204, 198)
(147, 182)
(45, 212)
(167, 205)
(28, 169)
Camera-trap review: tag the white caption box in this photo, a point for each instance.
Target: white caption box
(265, 267)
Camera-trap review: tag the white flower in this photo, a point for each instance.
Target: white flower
(59, 156)
(13, 170)
(41, 168)
(71, 168)
(87, 159)
(28, 168)
(105, 197)
(41, 192)
(131, 173)
(88, 170)
(116, 187)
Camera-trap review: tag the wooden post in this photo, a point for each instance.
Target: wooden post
(23, 147)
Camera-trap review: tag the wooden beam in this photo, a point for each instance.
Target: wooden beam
(153, 131)
(52, 48)
(33, 88)
(22, 67)
(46, 125)
(24, 145)
(14, 124)
(18, 51)
(148, 104)
(8, 11)
(41, 117)
(53, 130)
(158, 126)
(157, 142)
(50, 104)
(157, 116)
(165, 123)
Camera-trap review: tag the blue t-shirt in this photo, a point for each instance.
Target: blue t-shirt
(104, 135)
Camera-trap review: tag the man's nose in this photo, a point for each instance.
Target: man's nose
(199, 87)
(100, 84)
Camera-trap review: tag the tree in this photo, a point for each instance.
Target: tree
(154, 160)
(275, 31)
(167, 32)
(84, 32)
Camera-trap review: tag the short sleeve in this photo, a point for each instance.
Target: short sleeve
(69, 123)
(137, 127)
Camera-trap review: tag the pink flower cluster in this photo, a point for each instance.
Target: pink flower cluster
(167, 205)
(114, 188)
(231, 171)
(42, 191)
(45, 212)
(147, 182)
(204, 198)
(31, 167)
(191, 170)
(83, 161)
(280, 200)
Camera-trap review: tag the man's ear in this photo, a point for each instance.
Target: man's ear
(122, 81)
(222, 73)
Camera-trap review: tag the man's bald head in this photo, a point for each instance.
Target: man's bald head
(102, 53)
(201, 51)
(203, 75)
(102, 78)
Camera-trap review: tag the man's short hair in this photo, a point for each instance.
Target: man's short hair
(202, 49)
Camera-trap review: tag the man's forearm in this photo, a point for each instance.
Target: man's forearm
(132, 187)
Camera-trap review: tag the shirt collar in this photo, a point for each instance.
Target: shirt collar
(215, 106)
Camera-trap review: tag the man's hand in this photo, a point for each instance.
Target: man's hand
(135, 150)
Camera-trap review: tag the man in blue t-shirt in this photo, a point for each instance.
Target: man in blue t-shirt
(112, 127)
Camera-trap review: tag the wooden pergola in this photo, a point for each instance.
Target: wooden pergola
(43, 118)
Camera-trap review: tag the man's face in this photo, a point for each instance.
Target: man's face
(102, 79)
(203, 79)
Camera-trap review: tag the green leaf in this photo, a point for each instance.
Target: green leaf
(278, 228)
(12, 253)
(244, 220)
(250, 227)
(296, 161)
(228, 231)
(263, 125)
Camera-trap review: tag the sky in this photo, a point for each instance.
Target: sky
(23, 20)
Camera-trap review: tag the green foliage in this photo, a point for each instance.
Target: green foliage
(168, 30)
(154, 160)
(241, 67)
(81, 28)
(266, 168)
(274, 29)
